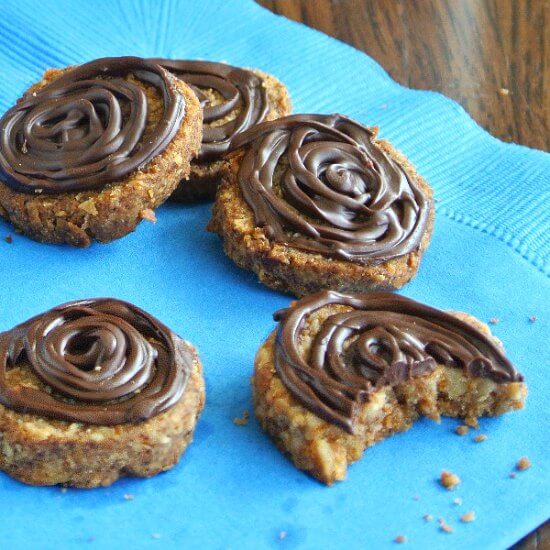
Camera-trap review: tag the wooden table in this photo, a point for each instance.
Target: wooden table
(492, 56)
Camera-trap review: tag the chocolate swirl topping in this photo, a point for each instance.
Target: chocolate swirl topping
(240, 89)
(376, 339)
(104, 361)
(87, 128)
(320, 184)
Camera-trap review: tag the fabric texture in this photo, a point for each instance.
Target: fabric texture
(490, 256)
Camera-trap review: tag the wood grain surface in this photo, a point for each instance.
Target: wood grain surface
(492, 56)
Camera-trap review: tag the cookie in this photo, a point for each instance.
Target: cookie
(233, 99)
(90, 151)
(342, 372)
(314, 202)
(94, 390)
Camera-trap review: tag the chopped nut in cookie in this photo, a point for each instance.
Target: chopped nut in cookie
(148, 215)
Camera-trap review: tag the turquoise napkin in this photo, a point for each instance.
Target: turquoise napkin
(489, 256)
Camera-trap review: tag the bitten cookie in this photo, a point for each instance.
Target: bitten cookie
(95, 390)
(233, 99)
(90, 151)
(342, 372)
(313, 202)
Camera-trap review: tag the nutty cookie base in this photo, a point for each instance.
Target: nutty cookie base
(205, 177)
(287, 269)
(325, 450)
(114, 211)
(40, 451)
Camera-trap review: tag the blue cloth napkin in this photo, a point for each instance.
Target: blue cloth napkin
(489, 256)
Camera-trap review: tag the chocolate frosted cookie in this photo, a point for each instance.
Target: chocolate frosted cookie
(94, 390)
(233, 100)
(315, 202)
(90, 151)
(342, 372)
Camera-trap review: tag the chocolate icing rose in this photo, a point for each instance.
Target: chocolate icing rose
(321, 184)
(88, 127)
(240, 90)
(374, 340)
(103, 361)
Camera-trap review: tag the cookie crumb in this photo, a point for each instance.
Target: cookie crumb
(494, 321)
(468, 517)
(400, 539)
(481, 437)
(445, 527)
(472, 422)
(512, 475)
(504, 91)
(243, 421)
(449, 480)
(148, 215)
(8, 239)
(427, 517)
(457, 501)
(155, 536)
(282, 535)
(523, 464)
(533, 318)
(128, 497)
(462, 430)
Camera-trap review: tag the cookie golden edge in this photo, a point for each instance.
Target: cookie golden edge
(79, 218)
(205, 178)
(40, 451)
(287, 269)
(325, 450)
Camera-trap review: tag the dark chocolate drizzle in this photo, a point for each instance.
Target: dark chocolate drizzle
(105, 361)
(86, 128)
(240, 89)
(379, 339)
(321, 184)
